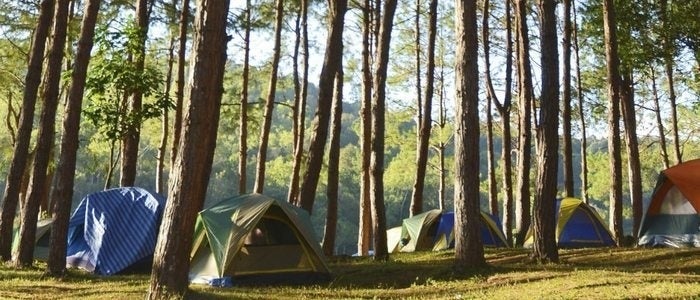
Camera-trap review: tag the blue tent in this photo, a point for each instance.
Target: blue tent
(113, 229)
(491, 234)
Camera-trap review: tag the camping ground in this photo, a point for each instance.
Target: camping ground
(591, 273)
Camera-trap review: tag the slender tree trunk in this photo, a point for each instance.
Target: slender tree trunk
(364, 235)
(426, 121)
(581, 114)
(332, 63)
(62, 194)
(130, 141)
(506, 138)
(378, 131)
(544, 225)
(659, 122)
(613, 70)
(243, 114)
(180, 91)
(190, 175)
(668, 52)
(469, 250)
(633, 160)
(522, 210)
(269, 101)
(300, 115)
(493, 187)
(45, 137)
(416, 206)
(333, 167)
(20, 155)
(566, 103)
(442, 123)
(165, 132)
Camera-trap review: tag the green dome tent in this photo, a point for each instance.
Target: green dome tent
(255, 238)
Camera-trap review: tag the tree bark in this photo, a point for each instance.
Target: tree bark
(269, 101)
(613, 71)
(633, 161)
(659, 122)
(300, 107)
(426, 121)
(333, 167)
(668, 50)
(45, 137)
(243, 114)
(544, 225)
(190, 175)
(62, 194)
(130, 141)
(364, 234)
(568, 157)
(378, 131)
(522, 210)
(165, 126)
(180, 90)
(582, 116)
(469, 250)
(20, 155)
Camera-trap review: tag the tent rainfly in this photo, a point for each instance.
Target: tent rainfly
(672, 218)
(578, 226)
(113, 230)
(254, 238)
(41, 240)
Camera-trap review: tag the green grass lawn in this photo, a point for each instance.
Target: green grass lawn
(607, 273)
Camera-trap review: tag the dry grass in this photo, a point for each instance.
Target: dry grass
(604, 273)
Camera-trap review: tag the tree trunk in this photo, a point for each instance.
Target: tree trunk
(364, 234)
(426, 121)
(568, 156)
(32, 81)
(668, 51)
(522, 210)
(416, 206)
(544, 225)
(190, 175)
(62, 194)
(378, 131)
(269, 101)
(469, 250)
(633, 160)
(659, 122)
(581, 114)
(130, 141)
(491, 98)
(165, 130)
(300, 105)
(613, 71)
(243, 114)
(333, 167)
(180, 91)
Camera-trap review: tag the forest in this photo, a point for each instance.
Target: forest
(361, 112)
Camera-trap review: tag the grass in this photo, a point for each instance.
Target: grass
(603, 273)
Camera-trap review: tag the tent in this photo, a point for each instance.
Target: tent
(434, 230)
(41, 240)
(113, 230)
(578, 226)
(672, 218)
(255, 238)
(490, 228)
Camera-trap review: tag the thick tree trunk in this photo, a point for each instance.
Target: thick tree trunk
(333, 167)
(20, 155)
(469, 250)
(568, 156)
(364, 234)
(269, 101)
(613, 71)
(130, 141)
(332, 63)
(378, 131)
(45, 137)
(62, 194)
(426, 122)
(633, 161)
(190, 175)
(544, 225)
(522, 209)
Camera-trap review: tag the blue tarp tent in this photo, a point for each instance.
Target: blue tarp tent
(491, 234)
(113, 229)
